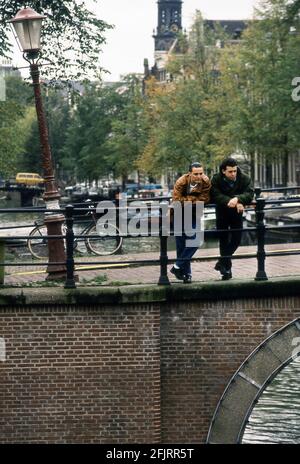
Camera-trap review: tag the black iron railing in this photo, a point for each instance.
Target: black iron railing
(259, 206)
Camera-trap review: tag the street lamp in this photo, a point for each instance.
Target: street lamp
(27, 24)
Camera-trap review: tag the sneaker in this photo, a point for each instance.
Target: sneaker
(177, 273)
(187, 279)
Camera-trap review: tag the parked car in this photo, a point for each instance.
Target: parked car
(131, 190)
(150, 190)
(29, 178)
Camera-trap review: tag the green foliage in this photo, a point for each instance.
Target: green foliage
(57, 113)
(185, 112)
(229, 100)
(128, 136)
(19, 91)
(292, 11)
(13, 128)
(72, 36)
(85, 153)
(221, 101)
(31, 159)
(183, 134)
(98, 280)
(105, 134)
(257, 78)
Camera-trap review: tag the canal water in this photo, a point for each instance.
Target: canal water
(16, 224)
(276, 417)
(136, 244)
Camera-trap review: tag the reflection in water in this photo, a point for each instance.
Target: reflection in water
(17, 224)
(276, 416)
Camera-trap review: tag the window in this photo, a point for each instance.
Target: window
(175, 16)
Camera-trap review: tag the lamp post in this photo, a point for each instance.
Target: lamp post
(27, 24)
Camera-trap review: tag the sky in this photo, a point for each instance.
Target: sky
(134, 21)
(131, 39)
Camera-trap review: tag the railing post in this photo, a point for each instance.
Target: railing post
(70, 281)
(257, 192)
(261, 231)
(118, 212)
(2, 260)
(163, 238)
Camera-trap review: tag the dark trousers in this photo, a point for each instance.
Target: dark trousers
(184, 252)
(229, 219)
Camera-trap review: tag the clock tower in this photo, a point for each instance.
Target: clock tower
(169, 23)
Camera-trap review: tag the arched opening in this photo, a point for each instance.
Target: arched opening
(250, 381)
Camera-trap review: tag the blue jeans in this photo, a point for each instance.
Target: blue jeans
(184, 252)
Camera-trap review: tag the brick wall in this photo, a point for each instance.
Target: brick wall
(130, 373)
(202, 345)
(80, 375)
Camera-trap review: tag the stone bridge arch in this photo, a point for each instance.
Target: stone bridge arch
(249, 382)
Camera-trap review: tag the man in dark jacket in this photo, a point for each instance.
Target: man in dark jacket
(231, 191)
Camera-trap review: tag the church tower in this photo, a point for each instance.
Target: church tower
(169, 23)
(165, 39)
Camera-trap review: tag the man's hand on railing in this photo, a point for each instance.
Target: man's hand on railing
(233, 202)
(240, 208)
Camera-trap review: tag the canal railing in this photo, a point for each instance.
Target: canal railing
(71, 212)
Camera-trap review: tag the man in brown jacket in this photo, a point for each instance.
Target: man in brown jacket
(191, 187)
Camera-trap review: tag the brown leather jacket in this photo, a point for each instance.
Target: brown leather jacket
(182, 191)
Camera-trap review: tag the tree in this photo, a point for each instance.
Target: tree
(128, 134)
(15, 117)
(58, 112)
(185, 116)
(235, 99)
(257, 78)
(72, 36)
(30, 158)
(85, 153)
(10, 145)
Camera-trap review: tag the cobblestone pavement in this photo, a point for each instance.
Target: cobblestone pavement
(110, 273)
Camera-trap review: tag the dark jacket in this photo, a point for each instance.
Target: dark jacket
(221, 191)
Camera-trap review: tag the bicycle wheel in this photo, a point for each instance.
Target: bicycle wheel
(104, 244)
(38, 246)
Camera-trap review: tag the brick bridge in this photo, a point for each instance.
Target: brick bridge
(141, 364)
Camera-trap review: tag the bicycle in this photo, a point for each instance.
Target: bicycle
(95, 241)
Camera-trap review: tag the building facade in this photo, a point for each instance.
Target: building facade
(6, 69)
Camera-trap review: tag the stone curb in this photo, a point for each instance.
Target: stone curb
(216, 290)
